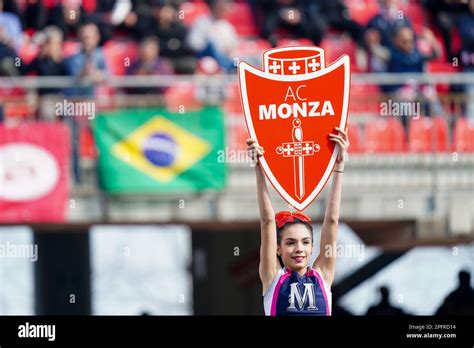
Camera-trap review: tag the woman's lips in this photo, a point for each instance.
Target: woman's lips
(298, 259)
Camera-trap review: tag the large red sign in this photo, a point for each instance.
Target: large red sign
(290, 108)
(34, 172)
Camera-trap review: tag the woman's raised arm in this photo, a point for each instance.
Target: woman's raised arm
(268, 247)
(326, 261)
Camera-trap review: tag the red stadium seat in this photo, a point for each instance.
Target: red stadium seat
(89, 6)
(428, 134)
(355, 138)
(28, 52)
(294, 42)
(119, 55)
(18, 110)
(182, 97)
(241, 17)
(232, 103)
(441, 130)
(438, 66)
(360, 103)
(463, 135)
(336, 47)
(193, 10)
(384, 135)
(416, 14)
(362, 10)
(87, 147)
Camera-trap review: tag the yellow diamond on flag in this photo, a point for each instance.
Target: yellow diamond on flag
(161, 149)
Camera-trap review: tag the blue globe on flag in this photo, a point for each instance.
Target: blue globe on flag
(160, 149)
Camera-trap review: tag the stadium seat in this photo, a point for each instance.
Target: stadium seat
(240, 16)
(119, 55)
(87, 147)
(232, 103)
(89, 6)
(362, 10)
(294, 42)
(463, 135)
(441, 67)
(384, 135)
(20, 110)
(416, 14)
(428, 134)
(28, 52)
(355, 138)
(182, 95)
(361, 103)
(336, 47)
(193, 10)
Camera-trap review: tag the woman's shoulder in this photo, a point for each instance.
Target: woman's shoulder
(270, 285)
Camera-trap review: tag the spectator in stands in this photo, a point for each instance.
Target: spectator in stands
(112, 14)
(384, 307)
(89, 62)
(50, 61)
(90, 65)
(10, 41)
(445, 14)
(336, 15)
(11, 6)
(160, 18)
(381, 29)
(67, 16)
(33, 15)
(461, 300)
(292, 16)
(11, 30)
(213, 36)
(149, 63)
(466, 31)
(172, 33)
(404, 57)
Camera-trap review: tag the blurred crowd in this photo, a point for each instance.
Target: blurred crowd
(173, 35)
(93, 40)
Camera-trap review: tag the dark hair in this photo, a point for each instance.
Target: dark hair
(280, 231)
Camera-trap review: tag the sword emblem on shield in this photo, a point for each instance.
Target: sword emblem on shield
(298, 149)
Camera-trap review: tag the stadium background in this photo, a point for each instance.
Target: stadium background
(114, 237)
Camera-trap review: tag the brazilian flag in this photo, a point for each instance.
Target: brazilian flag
(154, 150)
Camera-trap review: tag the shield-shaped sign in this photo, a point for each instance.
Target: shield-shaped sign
(290, 108)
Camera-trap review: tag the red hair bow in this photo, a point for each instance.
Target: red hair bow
(284, 217)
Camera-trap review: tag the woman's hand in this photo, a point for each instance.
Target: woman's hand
(254, 150)
(342, 141)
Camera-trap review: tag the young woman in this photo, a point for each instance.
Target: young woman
(290, 285)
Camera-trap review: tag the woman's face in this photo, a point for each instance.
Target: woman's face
(296, 246)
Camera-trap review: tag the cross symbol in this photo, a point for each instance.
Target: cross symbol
(307, 148)
(288, 149)
(294, 68)
(314, 64)
(275, 67)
